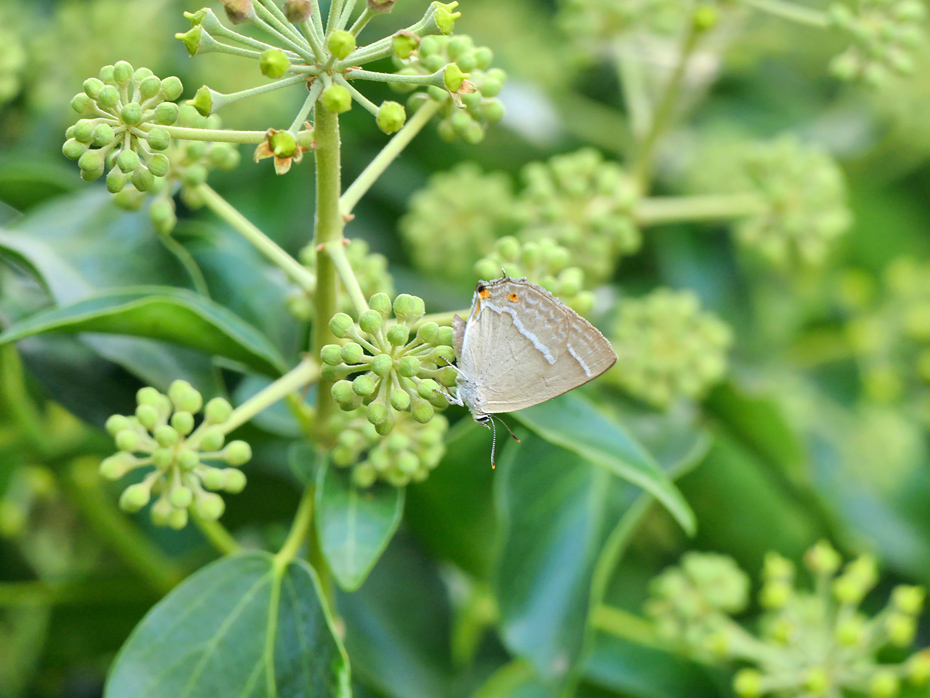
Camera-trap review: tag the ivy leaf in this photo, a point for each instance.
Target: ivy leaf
(355, 525)
(243, 626)
(573, 424)
(163, 313)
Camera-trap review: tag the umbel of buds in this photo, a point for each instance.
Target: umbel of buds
(398, 366)
(544, 263)
(121, 132)
(163, 438)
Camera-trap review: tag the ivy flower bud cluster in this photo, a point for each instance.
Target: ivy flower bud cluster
(544, 263)
(668, 348)
(608, 20)
(397, 367)
(470, 207)
(470, 86)
(121, 132)
(584, 204)
(190, 163)
(812, 643)
(163, 436)
(891, 339)
(371, 272)
(408, 454)
(804, 209)
(885, 35)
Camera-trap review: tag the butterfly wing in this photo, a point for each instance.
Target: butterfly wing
(522, 346)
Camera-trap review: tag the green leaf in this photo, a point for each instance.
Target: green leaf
(242, 626)
(573, 423)
(643, 672)
(163, 313)
(515, 680)
(452, 511)
(398, 625)
(555, 511)
(354, 525)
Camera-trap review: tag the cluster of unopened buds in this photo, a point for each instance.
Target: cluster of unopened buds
(544, 263)
(812, 643)
(668, 348)
(163, 435)
(885, 34)
(399, 366)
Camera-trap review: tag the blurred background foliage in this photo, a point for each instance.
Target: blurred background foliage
(818, 431)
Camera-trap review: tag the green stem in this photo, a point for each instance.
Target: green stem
(116, 529)
(346, 13)
(222, 135)
(680, 209)
(337, 252)
(335, 13)
(219, 537)
(626, 625)
(387, 155)
(632, 83)
(362, 20)
(643, 161)
(221, 100)
(307, 107)
(791, 12)
(442, 319)
(302, 375)
(297, 272)
(368, 105)
(299, 530)
(329, 227)
(15, 398)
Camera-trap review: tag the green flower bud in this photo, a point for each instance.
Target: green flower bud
(83, 131)
(918, 669)
(341, 44)
(483, 58)
(73, 149)
(180, 497)
(163, 458)
(183, 422)
(166, 436)
(364, 385)
(352, 353)
(274, 63)
(158, 138)
(108, 97)
(422, 412)
(122, 72)
(131, 114)
(134, 498)
(141, 74)
(81, 103)
(331, 354)
(103, 135)
(142, 179)
(444, 17)
(171, 88)
(400, 400)
(167, 113)
(408, 309)
(188, 459)
(370, 321)
(340, 325)
(453, 77)
(194, 175)
(364, 476)
(408, 366)
(127, 160)
(380, 303)
(884, 684)
(343, 393)
(404, 43)
(238, 453)
(127, 440)
(391, 117)
(147, 415)
(492, 110)
(217, 411)
(336, 98)
(202, 101)
(381, 365)
(209, 506)
(115, 467)
(235, 481)
(748, 683)
(283, 144)
(491, 87)
(445, 336)
(378, 413)
(908, 599)
(91, 164)
(149, 87)
(116, 424)
(428, 332)
(398, 335)
(162, 215)
(93, 87)
(212, 440)
(901, 629)
(159, 164)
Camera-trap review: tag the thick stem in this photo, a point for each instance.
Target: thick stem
(217, 135)
(299, 530)
(337, 252)
(635, 96)
(662, 118)
(268, 247)
(219, 537)
(302, 375)
(713, 207)
(329, 226)
(387, 155)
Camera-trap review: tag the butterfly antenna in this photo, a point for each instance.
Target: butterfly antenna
(493, 442)
(511, 432)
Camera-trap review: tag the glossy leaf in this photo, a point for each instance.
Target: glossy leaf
(168, 314)
(515, 680)
(573, 424)
(354, 525)
(242, 626)
(555, 511)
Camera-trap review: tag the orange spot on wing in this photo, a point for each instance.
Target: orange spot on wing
(513, 297)
(484, 293)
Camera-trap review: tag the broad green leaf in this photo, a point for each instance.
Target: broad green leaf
(398, 626)
(163, 313)
(643, 672)
(573, 424)
(515, 680)
(26, 182)
(354, 525)
(242, 626)
(555, 511)
(452, 511)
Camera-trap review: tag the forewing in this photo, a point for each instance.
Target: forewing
(532, 347)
